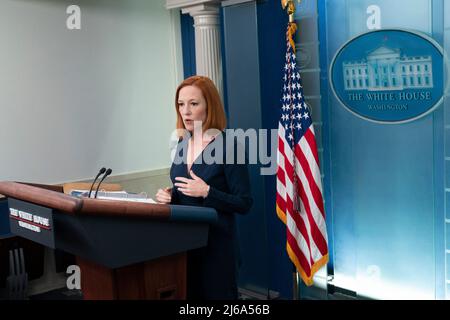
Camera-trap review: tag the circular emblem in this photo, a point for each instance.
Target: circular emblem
(389, 76)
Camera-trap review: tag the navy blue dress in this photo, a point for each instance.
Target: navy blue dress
(212, 270)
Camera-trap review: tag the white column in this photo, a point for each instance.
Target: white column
(208, 54)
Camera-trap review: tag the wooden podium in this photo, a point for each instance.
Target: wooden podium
(125, 250)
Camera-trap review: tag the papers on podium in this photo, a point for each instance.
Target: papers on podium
(114, 195)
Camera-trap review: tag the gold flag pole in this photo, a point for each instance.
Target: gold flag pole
(289, 6)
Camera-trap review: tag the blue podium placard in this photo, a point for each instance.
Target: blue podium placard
(389, 76)
(4, 219)
(31, 221)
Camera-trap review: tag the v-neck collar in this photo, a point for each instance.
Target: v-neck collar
(199, 155)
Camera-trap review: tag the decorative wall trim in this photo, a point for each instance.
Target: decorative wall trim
(178, 4)
(227, 3)
(139, 175)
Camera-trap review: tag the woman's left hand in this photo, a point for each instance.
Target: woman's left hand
(194, 187)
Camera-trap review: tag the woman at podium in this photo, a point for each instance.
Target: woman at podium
(208, 171)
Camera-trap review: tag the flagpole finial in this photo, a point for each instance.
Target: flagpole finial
(289, 6)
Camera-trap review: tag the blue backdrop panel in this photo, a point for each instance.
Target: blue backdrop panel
(244, 111)
(386, 181)
(272, 23)
(188, 44)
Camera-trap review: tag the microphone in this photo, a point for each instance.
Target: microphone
(102, 170)
(107, 173)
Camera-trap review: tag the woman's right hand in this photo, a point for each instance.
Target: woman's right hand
(164, 195)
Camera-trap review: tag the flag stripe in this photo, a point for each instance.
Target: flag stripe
(315, 252)
(307, 168)
(296, 244)
(299, 254)
(319, 229)
(299, 197)
(314, 230)
(314, 215)
(305, 220)
(311, 138)
(297, 228)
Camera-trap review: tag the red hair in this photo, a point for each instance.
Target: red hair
(215, 113)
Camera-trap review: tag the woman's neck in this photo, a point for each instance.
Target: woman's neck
(205, 138)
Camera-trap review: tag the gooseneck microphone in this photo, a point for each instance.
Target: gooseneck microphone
(102, 170)
(107, 173)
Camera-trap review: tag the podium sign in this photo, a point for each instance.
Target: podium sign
(125, 250)
(32, 222)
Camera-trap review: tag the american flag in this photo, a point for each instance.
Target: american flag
(299, 187)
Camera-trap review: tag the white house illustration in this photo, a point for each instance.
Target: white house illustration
(387, 69)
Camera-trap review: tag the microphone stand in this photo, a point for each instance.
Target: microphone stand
(102, 170)
(107, 173)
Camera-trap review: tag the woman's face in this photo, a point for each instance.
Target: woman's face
(192, 106)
